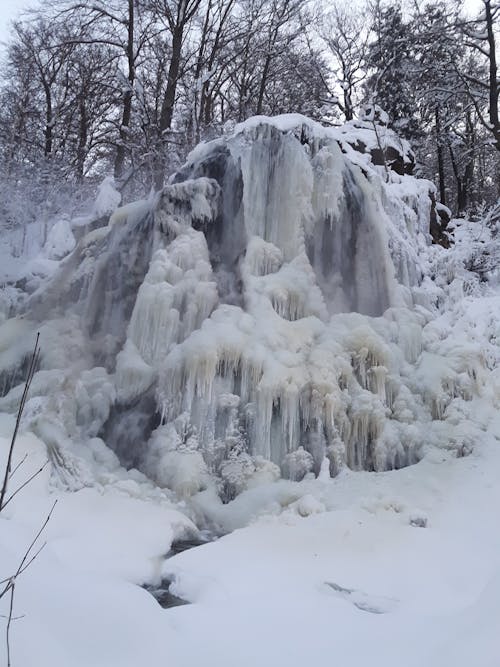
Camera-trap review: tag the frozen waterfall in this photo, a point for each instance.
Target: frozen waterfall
(254, 318)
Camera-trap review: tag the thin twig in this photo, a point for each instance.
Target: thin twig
(25, 557)
(35, 555)
(11, 581)
(8, 586)
(25, 563)
(19, 465)
(7, 630)
(35, 474)
(31, 371)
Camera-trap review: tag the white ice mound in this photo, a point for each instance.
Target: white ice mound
(262, 305)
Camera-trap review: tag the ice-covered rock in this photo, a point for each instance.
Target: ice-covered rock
(266, 310)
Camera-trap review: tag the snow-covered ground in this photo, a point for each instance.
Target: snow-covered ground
(389, 569)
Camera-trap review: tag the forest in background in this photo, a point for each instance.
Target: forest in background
(129, 87)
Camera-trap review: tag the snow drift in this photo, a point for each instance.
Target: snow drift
(268, 311)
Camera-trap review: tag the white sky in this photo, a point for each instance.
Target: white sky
(9, 10)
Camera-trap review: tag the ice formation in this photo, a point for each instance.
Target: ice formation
(267, 311)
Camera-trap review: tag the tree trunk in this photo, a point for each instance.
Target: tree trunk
(348, 106)
(469, 166)
(458, 180)
(127, 97)
(439, 146)
(167, 107)
(494, 87)
(49, 121)
(82, 137)
(199, 113)
(263, 82)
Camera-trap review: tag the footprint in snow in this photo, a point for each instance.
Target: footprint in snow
(373, 604)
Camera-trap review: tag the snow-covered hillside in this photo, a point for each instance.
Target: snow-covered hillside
(270, 346)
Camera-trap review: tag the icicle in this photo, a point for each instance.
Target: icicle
(275, 164)
(378, 376)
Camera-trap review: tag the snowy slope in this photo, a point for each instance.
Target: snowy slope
(331, 568)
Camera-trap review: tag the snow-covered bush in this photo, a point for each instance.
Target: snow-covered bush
(173, 459)
(297, 464)
(235, 473)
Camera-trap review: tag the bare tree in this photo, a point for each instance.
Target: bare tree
(177, 16)
(345, 33)
(282, 26)
(123, 29)
(481, 36)
(33, 49)
(217, 30)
